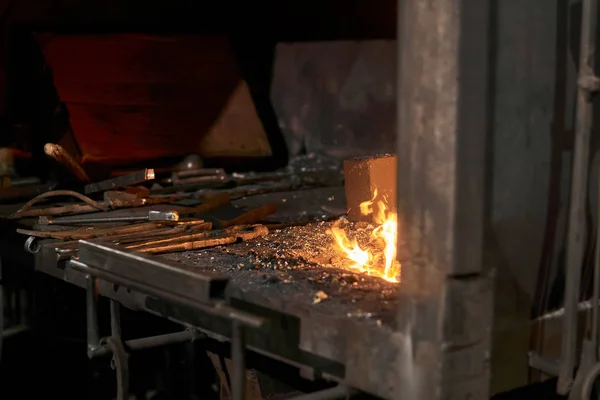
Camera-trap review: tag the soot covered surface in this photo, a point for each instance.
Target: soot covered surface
(300, 265)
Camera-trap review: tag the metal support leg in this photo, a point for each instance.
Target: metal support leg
(577, 226)
(120, 359)
(115, 319)
(238, 347)
(93, 335)
(120, 363)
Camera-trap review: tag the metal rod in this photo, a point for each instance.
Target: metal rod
(150, 342)
(115, 319)
(93, 335)
(596, 278)
(1, 311)
(334, 393)
(577, 225)
(120, 181)
(238, 347)
(13, 330)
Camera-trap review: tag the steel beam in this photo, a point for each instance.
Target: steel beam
(153, 271)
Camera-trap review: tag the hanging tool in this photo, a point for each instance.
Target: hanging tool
(76, 220)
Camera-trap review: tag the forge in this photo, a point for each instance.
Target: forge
(298, 209)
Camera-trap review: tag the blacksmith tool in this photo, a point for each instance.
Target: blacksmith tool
(76, 220)
(248, 218)
(210, 203)
(59, 154)
(209, 239)
(65, 250)
(198, 172)
(89, 206)
(87, 232)
(120, 181)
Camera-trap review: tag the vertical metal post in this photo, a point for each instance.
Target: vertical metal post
(442, 126)
(587, 83)
(238, 348)
(596, 283)
(93, 335)
(115, 319)
(1, 310)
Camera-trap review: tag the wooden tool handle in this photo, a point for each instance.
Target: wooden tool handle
(253, 216)
(59, 154)
(211, 203)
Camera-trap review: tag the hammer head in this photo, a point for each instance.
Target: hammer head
(163, 216)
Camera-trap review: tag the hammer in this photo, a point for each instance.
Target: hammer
(152, 216)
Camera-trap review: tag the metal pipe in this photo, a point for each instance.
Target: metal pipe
(93, 335)
(238, 347)
(334, 393)
(150, 342)
(577, 227)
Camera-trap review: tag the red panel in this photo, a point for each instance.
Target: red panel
(120, 135)
(136, 97)
(138, 58)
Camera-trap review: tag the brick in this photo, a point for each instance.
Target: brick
(363, 176)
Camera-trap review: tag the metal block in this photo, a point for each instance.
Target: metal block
(364, 176)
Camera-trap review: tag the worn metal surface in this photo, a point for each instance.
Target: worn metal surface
(441, 132)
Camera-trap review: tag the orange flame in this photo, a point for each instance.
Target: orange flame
(381, 264)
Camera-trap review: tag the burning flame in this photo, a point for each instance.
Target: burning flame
(381, 263)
